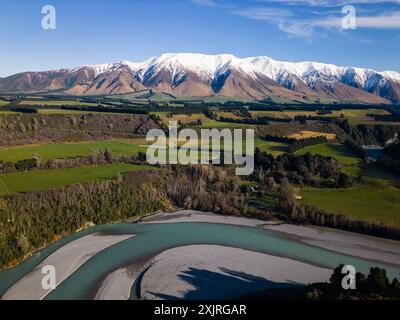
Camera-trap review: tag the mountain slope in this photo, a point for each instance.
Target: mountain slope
(197, 75)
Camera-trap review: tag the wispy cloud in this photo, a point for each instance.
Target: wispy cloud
(307, 18)
(307, 28)
(207, 3)
(264, 13)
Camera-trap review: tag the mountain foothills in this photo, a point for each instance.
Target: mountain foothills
(197, 75)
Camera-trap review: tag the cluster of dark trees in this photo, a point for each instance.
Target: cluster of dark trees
(308, 169)
(363, 134)
(374, 286)
(357, 149)
(385, 117)
(324, 112)
(304, 119)
(283, 139)
(24, 110)
(32, 128)
(392, 151)
(390, 158)
(389, 163)
(302, 143)
(21, 165)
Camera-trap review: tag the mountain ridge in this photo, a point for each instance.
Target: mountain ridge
(198, 75)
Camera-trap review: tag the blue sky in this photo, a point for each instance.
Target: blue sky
(90, 32)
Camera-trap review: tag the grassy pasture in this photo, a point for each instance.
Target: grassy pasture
(3, 103)
(341, 153)
(117, 147)
(44, 179)
(335, 150)
(379, 206)
(70, 150)
(272, 147)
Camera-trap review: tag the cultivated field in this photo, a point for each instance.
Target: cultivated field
(70, 150)
(181, 118)
(311, 134)
(382, 206)
(209, 123)
(272, 147)
(44, 179)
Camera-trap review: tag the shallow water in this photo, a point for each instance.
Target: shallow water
(151, 239)
(373, 152)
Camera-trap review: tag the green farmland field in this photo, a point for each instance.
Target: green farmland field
(272, 147)
(380, 206)
(341, 153)
(43, 179)
(70, 150)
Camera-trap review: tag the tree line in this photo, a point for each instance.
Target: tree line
(372, 286)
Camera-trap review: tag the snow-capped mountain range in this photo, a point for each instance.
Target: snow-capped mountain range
(198, 75)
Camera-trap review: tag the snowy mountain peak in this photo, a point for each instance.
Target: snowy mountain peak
(209, 66)
(193, 74)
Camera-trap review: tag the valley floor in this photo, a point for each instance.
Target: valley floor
(185, 268)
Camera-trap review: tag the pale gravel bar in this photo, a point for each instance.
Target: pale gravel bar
(219, 272)
(350, 243)
(66, 261)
